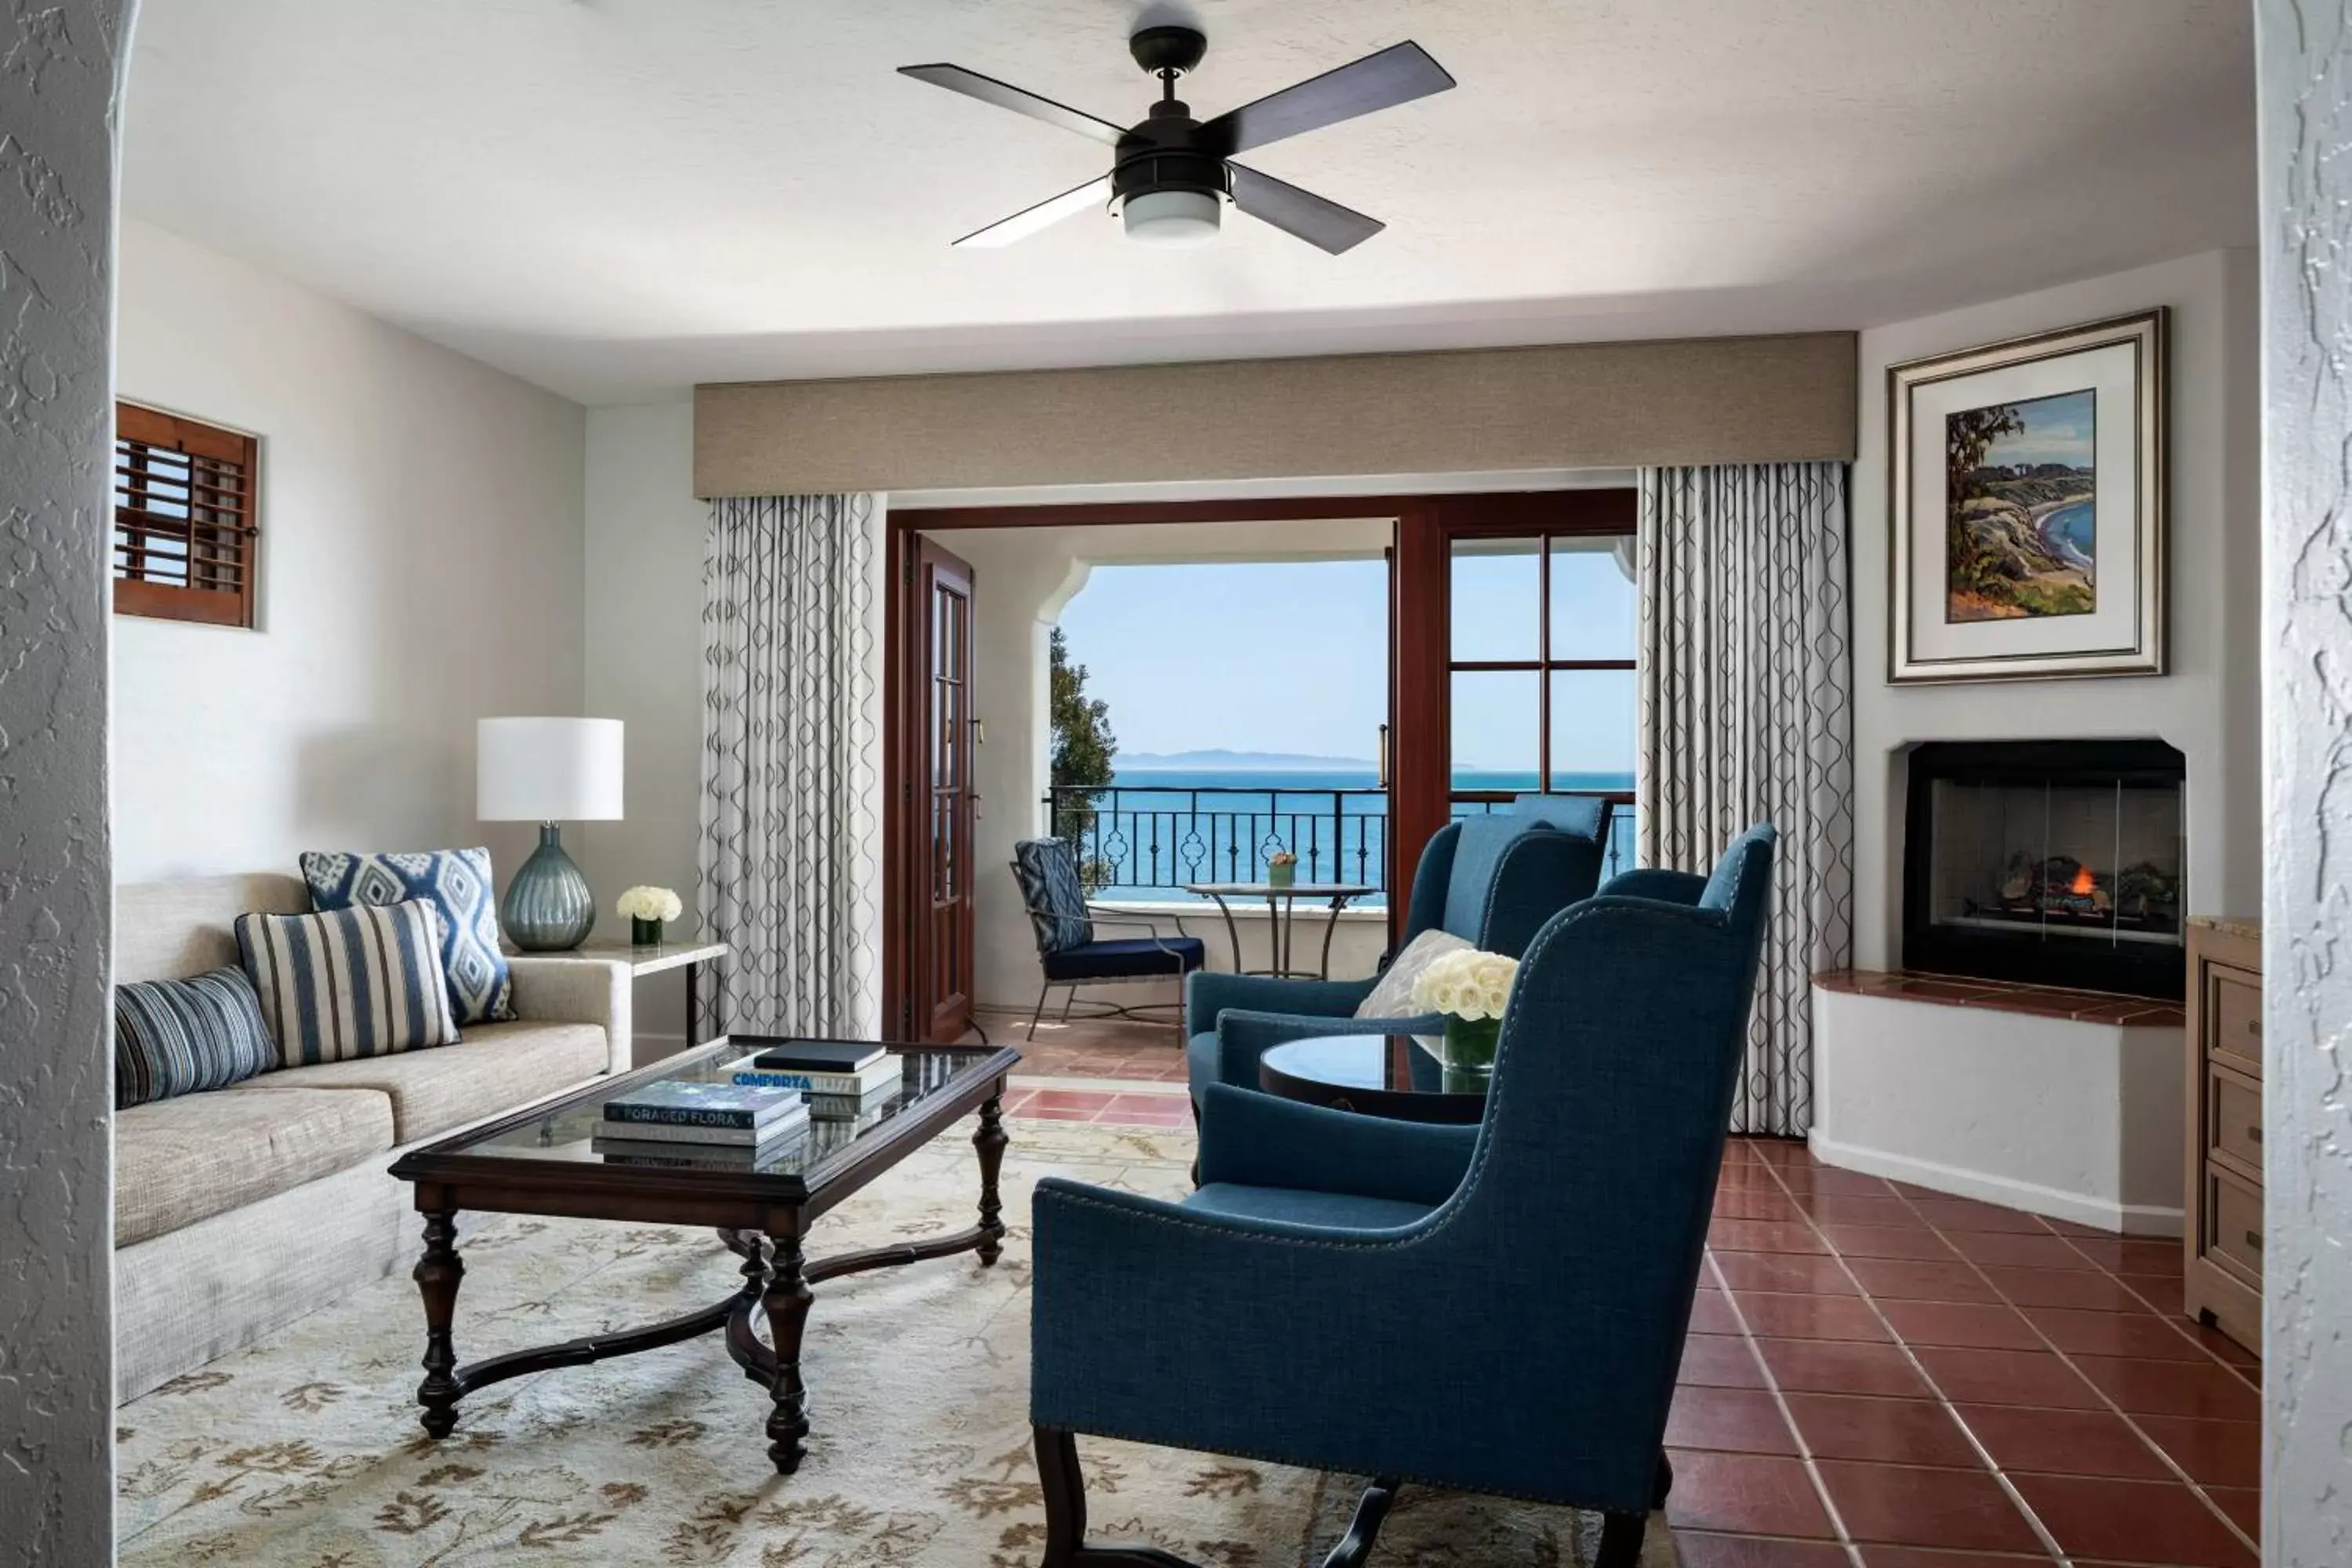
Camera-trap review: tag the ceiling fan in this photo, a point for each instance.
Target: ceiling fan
(1169, 171)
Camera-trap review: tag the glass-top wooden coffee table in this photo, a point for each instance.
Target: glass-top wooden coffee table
(543, 1160)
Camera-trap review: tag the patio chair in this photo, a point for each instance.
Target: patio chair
(1494, 1309)
(1071, 954)
(1491, 880)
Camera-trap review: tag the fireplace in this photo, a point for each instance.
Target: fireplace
(2053, 862)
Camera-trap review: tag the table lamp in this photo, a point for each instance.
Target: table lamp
(548, 771)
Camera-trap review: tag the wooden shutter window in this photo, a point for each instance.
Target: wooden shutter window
(185, 535)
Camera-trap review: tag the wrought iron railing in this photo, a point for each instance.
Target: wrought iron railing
(1156, 838)
(1159, 837)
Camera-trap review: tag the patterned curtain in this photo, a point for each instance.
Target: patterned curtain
(1746, 715)
(791, 764)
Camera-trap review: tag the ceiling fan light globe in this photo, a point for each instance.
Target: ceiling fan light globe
(1171, 218)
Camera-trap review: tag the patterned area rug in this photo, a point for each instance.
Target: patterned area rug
(304, 1451)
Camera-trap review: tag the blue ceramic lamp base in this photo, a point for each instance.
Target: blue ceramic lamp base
(548, 907)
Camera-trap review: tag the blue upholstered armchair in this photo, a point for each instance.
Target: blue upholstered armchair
(1073, 952)
(1493, 1308)
(1491, 880)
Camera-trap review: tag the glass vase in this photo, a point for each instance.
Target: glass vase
(548, 907)
(1469, 1053)
(644, 933)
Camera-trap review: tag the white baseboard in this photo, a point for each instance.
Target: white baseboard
(2100, 1214)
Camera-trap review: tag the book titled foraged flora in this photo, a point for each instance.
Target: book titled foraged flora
(743, 1106)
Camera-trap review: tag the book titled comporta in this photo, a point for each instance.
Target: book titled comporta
(736, 1106)
(852, 1069)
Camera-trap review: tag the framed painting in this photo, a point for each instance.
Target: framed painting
(2026, 495)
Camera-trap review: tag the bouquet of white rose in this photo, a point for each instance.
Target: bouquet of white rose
(649, 910)
(1471, 989)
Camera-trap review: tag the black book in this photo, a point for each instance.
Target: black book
(820, 1056)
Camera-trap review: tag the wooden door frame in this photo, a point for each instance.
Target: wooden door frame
(1424, 527)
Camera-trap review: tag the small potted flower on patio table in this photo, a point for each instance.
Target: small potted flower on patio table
(649, 908)
(1281, 868)
(1471, 989)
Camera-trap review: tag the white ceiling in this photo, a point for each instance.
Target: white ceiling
(617, 198)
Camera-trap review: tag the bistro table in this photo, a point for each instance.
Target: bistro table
(1281, 901)
(1393, 1076)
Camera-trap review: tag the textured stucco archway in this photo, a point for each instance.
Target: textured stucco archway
(2304, 49)
(60, 72)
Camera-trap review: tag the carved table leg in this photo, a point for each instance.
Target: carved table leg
(990, 1141)
(787, 1300)
(437, 1274)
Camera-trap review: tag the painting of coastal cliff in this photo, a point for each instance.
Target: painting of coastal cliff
(2020, 530)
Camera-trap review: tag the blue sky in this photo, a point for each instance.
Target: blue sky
(2058, 429)
(1290, 657)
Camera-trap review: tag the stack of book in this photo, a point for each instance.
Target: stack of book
(845, 1080)
(718, 1125)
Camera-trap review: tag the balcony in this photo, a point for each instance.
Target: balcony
(1145, 844)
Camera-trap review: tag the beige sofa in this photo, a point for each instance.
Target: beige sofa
(240, 1210)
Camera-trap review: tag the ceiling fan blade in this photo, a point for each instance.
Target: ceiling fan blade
(1005, 95)
(1398, 74)
(1045, 215)
(1320, 223)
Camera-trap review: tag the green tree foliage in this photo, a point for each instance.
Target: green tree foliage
(1083, 741)
(1968, 436)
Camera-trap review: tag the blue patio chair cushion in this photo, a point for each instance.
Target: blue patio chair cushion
(1048, 875)
(1128, 958)
(1300, 1205)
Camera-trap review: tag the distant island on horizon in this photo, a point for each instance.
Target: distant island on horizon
(1223, 761)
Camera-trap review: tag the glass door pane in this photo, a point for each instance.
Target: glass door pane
(1496, 721)
(1592, 729)
(1592, 598)
(1497, 609)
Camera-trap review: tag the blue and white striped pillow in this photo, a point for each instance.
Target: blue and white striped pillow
(459, 885)
(346, 983)
(180, 1037)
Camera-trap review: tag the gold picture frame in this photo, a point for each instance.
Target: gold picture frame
(2026, 507)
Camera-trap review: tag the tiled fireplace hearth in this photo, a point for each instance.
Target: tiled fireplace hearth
(2004, 997)
(2060, 1102)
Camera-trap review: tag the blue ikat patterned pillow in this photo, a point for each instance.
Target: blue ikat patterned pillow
(459, 885)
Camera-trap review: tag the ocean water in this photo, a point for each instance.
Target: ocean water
(1154, 830)
(2074, 531)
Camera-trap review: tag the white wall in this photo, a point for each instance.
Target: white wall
(422, 565)
(1023, 578)
(644, 666)
(2207, 706)
(2305, 96)
(57, 1260)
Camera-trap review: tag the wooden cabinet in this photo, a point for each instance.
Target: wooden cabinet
(2222, 1277)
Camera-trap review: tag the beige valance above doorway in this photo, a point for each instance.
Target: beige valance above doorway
(1575, 405)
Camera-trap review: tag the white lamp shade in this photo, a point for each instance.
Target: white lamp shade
(547, 770)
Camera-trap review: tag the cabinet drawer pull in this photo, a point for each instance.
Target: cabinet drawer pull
(2254, 1239)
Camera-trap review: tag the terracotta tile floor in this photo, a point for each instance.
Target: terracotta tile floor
(1885, 1377)
(1880, 1376)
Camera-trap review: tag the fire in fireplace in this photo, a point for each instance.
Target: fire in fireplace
(2057, 862)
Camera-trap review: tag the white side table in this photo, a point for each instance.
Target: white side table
(641, 962)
